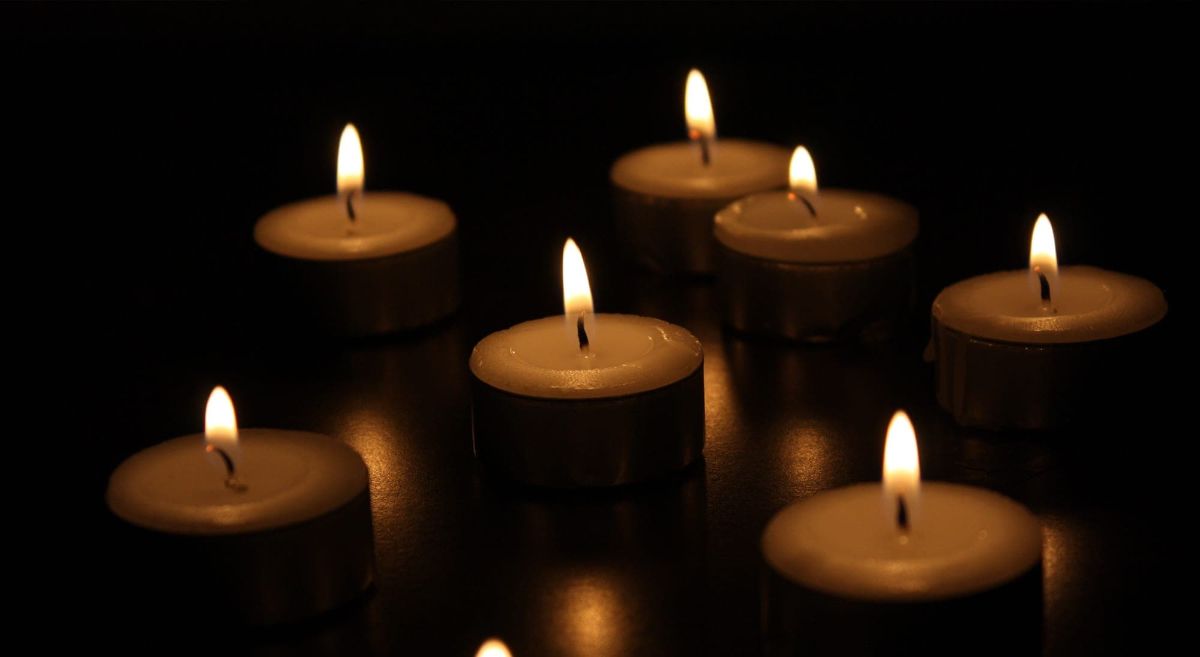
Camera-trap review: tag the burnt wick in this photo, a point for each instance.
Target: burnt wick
(1044, 283)
(231, 480)
(793, 196)
(584, 342)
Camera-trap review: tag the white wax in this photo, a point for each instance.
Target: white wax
(627, 355)
(675, 170)
(387, 223)
(1091, 304)
(965, 540)
(848, 226)
(288, 477)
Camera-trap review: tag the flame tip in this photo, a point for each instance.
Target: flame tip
(697, 107)
(802, 171)
(577, 291)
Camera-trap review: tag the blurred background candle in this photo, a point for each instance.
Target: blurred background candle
(493, 648)
(1043, 346)
(665, 195)
(812, 264)
(263, 525)
(934, 567)
(583, 399)
(361, 263)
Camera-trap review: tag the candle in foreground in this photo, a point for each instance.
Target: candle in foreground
(666, 194)
(924, 566)
(362, 263)
(585, 399)
(815, 265)
(259, 526)
(1040, 347)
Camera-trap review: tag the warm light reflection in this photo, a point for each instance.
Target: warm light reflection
(1043, 259)
(577, 293)
(697, 107)
(802, 173)
(493, 648)
(901, 465)
(349, 163)
(592, 617)
(220, 424)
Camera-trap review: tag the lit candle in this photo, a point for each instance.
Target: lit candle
(493, 648)
(666, 194)
(1042, 346)
(264, 525)
(921, 564)
(586, 399)
(363, 263)
(815, 264)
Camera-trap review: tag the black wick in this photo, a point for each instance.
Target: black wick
(901, 513)
(705, 157)
(584, 342)
(350, 206)
(230, 476)
(807, 203)
(1045, 285)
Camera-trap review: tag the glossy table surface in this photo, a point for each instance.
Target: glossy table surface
(161, 296)
(667, 568)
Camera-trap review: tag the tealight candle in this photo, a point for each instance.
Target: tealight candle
(815, 265)
(264, 525)
(666, 194)
(585, 399)
(921, 564)
(1039, 347)
(364, 263)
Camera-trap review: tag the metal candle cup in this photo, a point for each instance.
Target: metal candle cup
(926, 565)
(301, 547)
(585, 400)
(815, 266)
(815, 302)
(569, 443)
(665, 195)
(358, 263)
(375, 296)
(1043, 347)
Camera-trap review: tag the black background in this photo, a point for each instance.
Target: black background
(144, 140)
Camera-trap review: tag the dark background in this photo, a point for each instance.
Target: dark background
(144, 141)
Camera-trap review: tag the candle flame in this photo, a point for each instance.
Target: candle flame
(220, 424)
(901, 465)
(349, 163)
(802, 173)
(493, 648)
(577, 293)
(697, 107)
(1043, 257)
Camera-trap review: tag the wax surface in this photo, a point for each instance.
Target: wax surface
(628, 354)
(963, 540)
(848, 226)
(289, 477)
(1092, 304)
(387, 223)
(675, 170)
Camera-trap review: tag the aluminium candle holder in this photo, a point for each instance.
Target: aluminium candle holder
(992, 384)
(269, 577)
(667, 235)
(586, 443)
(815, 302)
(798, 621)
(373, 296)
